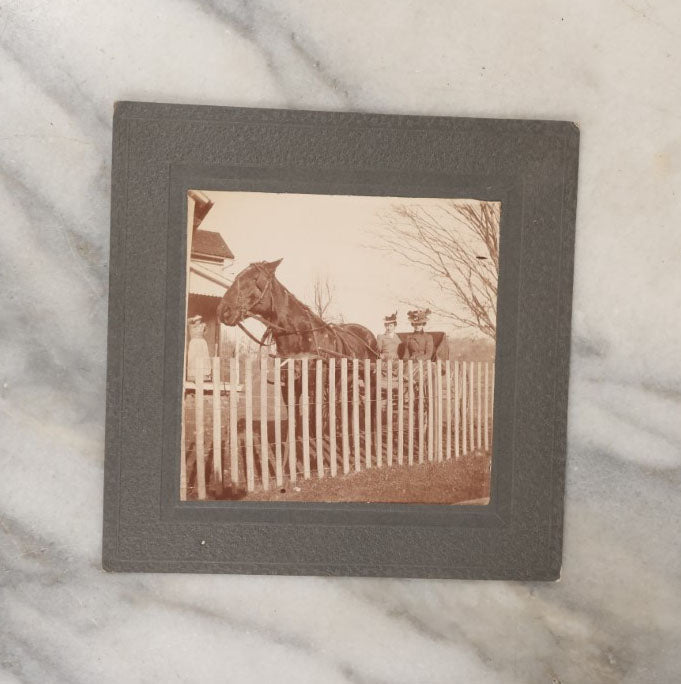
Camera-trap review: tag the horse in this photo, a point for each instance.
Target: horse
(293, 327)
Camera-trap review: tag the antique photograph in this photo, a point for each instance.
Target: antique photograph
(339, 348)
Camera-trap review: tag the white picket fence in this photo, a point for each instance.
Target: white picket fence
(350, 414)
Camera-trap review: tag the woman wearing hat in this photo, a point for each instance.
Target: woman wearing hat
(198, 348)
(419, 344)
(389, 342)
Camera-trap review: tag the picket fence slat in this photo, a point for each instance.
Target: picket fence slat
(448, 409)
(421, 421)
(389, 413)
(410, 421)
(198, 417)
(278, 457)
(333, 454)
(486, 405)
(183, 463)
(264, 438)
(291, 412)
(305, 417)
(355, 415)
(491, 406)
(367, 413)
(437, 389)
(233, 424)
(217, 426)
(464, 409)
(457, 409)
(248, 399)
(471, 405)
(319, 407)
(345, 441)
(379, 412)
(478, 441)
(400, 412)
(430, 408)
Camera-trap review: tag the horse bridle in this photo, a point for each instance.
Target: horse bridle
(245, 311)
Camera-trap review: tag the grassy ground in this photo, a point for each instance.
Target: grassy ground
(448, 482)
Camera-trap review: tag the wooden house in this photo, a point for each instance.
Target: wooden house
(207, 281)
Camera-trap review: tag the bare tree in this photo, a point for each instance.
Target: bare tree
(322, 297)
(458, 246)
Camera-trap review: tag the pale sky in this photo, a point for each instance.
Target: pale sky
(326, 235)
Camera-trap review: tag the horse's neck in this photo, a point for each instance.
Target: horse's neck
(287, 314)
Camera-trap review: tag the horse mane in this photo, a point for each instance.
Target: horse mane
(310, 316)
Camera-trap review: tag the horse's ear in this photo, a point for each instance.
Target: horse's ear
(271, 266)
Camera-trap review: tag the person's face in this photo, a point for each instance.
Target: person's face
(390, 328)
(418, 328)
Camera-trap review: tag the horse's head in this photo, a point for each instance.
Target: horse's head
(247, 291)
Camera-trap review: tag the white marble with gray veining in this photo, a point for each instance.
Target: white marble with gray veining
(611, 65)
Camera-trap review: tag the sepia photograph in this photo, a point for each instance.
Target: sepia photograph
(339, 348)
(348, 360)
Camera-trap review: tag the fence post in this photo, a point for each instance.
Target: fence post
(367, 413)
(264, 438)
(456, 409)
(319, 431)
(233, 423)
(478, 411)
(421, 420)
(355, 415)
(430, 407)
(344, 416)
(438, 414)
(305, 410)
(198, 414)
(250, 467)
(471, 404)
(332, 418)
(183, 449)
(291, 412)
(448, 408)
(278, 460)
(400, 411)
(410, 420)
(464, 410)
(491, 405)
(379, 414)
(217, 427)
(389, 412)
(486, 405)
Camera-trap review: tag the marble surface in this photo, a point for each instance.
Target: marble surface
(611, 65)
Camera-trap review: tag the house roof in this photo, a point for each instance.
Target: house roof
(210, 243)
(199, 285)
(202, 205)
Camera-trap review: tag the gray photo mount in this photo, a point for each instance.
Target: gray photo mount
(160, 151)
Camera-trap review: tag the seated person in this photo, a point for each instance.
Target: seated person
(419, 345)
(389, 342)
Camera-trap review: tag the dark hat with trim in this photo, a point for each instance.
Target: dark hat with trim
(390, 319)
(418, 316)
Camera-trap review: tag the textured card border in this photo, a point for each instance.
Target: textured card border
(161, 150)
